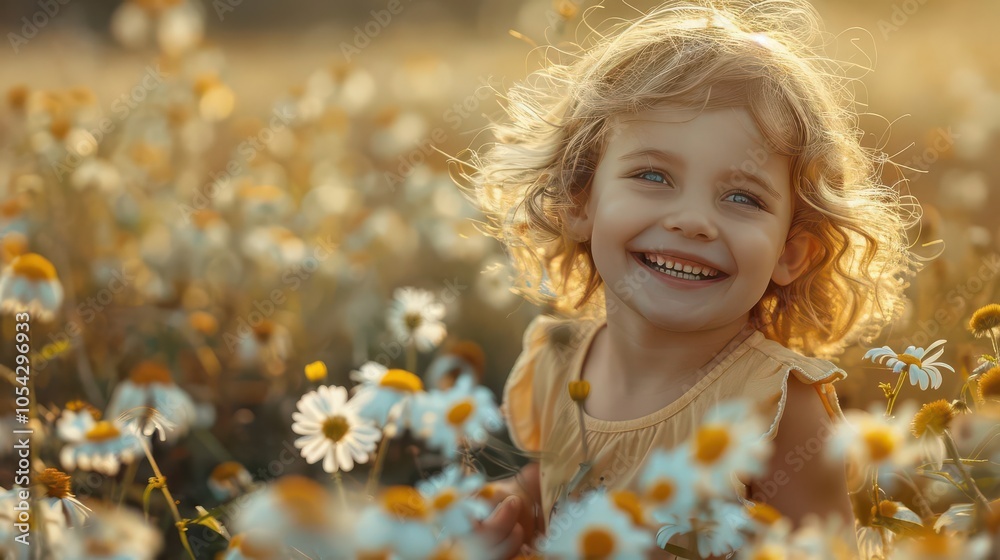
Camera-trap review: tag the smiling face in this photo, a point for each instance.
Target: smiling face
(702, 195)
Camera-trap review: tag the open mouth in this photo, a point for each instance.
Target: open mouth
(677, 269)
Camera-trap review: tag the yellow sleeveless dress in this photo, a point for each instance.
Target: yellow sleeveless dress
(543, 420)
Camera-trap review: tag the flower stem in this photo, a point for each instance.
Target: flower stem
(982, 504)
(876, 499)
(411, 357)
(127, 480)
(895, 392)
(583, 432)
(376, 471)
(178, 521)
(338, 481)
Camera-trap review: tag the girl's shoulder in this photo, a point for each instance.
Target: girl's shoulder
(549, 350)
(766, 370)
(809, 370)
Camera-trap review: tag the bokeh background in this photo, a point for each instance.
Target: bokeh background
(227, 281)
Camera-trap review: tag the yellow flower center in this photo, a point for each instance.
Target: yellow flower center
(768, 552)
(989, 385)
(628, 502)
(204, 218)
(401, 380)
(711, 442)
(459, 413)
(250, 549)
(935, 545)
(412, 321)
(985, 320)
(99, 548)
(909, 360)
(56, 483)
(203, 322)
(886, 508)
(597, 544)
(764, 514)
(60, 127)
(263, 192)
(487, 492)
(316, 371)
(227, 470)
(662, 491)
(934, 416)
(335, 428)
(79, 405)
(444, 500)
(33, 267)
(881, 443)
(102, 431)
(263, 330)
(579, 390)
(148, 373)
(404, 501)
(304, 499)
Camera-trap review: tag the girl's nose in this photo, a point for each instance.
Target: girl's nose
(690, 222)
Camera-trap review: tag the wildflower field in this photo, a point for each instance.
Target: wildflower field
(248, 314)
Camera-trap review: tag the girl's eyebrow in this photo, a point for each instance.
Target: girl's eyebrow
(646, 153)
(674, 159)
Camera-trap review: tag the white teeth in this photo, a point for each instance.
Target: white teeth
(679, 270)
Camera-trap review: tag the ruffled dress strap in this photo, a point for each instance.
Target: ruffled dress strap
(525, 391)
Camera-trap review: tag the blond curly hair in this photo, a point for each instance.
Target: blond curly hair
(763, 56)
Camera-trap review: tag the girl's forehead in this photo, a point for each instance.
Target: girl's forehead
(670, 123)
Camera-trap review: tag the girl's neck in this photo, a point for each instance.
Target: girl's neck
(649, 359)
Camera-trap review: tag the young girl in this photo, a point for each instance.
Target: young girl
(691, 195)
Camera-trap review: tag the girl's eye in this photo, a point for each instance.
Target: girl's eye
(655, 176)
(745, 197)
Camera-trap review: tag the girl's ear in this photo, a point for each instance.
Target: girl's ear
(579, 223)
(796, 257)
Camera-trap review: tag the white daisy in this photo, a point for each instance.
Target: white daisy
(667, 484)
(96, 445)
(454, 500)
(397, 527)
(229, 479)
(332, 429)
(55, 527)
(464, 414)
(293, 512)
(415, 317)
(114, 533)
(874, 542)
(871, 439)
(595, 528)
(29, 284)
(57, 494)
(386, 393)
(920, 363)
(959, 517)
(728, 442)
(151, 385)
(935, 546)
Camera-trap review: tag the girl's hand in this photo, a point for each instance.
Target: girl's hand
(513, 521)
(501, 532)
